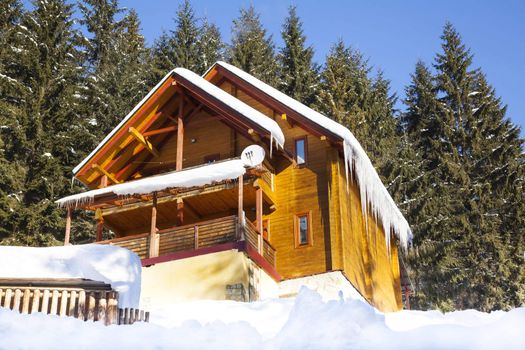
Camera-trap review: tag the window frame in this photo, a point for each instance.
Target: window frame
(297, 233)
(305, 139)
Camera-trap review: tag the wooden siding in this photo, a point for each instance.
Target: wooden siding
(367, 263)
(297, 190)
(341, 240)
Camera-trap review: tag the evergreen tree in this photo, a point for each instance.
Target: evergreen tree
(209, 46)
(352, 97)
(192, 46)
(43, 123)
(465, 242)
(117, 65)
(185, 38)
(299, 74)
(12, 90)
(251, 49)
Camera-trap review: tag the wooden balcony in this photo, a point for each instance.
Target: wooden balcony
(197, 236)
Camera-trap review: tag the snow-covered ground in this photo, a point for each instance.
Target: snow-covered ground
(305, 322)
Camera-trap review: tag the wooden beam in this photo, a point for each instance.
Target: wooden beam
(68, 226)
(103, 171)
(159, 131)
(141, 139)
(180, 136)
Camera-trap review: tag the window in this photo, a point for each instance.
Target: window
(302, 230)
(212, 158)
(300, 150)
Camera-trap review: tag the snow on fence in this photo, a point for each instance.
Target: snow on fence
(90, 301)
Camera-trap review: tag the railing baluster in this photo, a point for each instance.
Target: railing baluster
(196, 235)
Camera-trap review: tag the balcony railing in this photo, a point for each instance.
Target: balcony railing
(197, 236)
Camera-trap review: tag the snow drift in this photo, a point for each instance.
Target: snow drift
(302, 323)
(110, 264)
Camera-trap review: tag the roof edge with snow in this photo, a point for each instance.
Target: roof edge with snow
(374, 194)
(187, 178)
(248, 112)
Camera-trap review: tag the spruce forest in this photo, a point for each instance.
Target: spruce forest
(451, 158)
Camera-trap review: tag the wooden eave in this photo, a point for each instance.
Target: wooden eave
(122, 154)
(122, 132)
(218, 74)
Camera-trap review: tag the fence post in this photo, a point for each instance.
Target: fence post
(25, 301)
(120, 316)
(63, 303)
(81, 307)
(36, 301)
(45, 302)
(101, 307)
(112, 314)
(17, 300)
(72, 303)
(54, 302)
(90, 306)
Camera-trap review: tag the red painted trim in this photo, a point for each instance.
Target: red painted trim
(191, 253)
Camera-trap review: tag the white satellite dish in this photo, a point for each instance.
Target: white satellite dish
(253, 155)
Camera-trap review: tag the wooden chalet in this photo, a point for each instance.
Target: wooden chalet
(169, 184)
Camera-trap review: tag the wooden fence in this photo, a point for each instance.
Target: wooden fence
(85, 304)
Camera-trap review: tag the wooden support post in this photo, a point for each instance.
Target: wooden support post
(68, 226)
(100, 225)
(259, 209)
(258, 213)
(180, 136)
(240, 203)
(240, 208)
(103, 181)
(153, 235)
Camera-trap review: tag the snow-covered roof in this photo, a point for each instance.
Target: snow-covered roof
(191, 177)
(372, 190)
(110, 264)
(248, 112)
